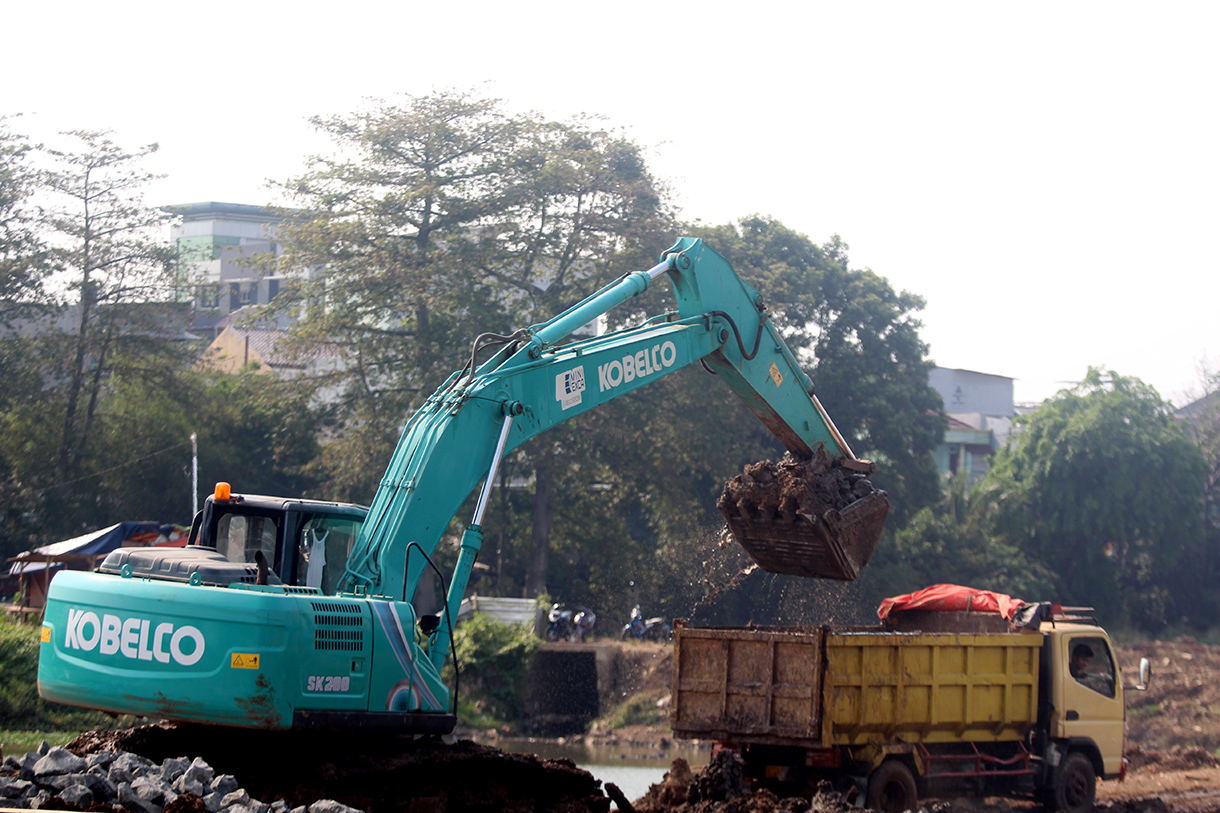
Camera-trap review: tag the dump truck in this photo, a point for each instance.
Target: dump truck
(892, 714)
(287, 615)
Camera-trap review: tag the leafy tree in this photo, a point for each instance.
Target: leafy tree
(102, 318)
(451, 218)
(1103, 487)
(953, 541)
(1201, 421)
(118, 268)
(23, 257)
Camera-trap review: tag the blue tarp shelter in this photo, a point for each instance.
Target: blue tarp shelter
(35, 568)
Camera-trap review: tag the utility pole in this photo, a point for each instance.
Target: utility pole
(194, 475)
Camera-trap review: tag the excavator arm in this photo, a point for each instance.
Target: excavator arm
(185, 636)
(536, 380)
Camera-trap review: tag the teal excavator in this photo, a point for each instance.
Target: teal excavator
(287, 613)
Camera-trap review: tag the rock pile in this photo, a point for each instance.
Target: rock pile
(57, 779)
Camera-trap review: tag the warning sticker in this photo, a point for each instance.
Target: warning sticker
(242, 660)
(46, 635)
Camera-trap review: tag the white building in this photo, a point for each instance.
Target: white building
(980, 410)
(224, 249)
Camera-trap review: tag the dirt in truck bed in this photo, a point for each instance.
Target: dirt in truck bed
(1173, 739)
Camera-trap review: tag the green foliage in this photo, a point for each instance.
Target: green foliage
(1104, 488)
(24, 261)
(953, 542)
(20, 706)
(495, 661)
(639, 709)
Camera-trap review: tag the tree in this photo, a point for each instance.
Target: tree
(1201, 421)
(23, 257)
(118, 267)
(108, 323)
(449, 219)
(1103, 487)
(954, 541)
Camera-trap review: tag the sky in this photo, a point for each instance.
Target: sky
(1044, 174)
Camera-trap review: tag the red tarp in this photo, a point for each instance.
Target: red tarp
(952, 597)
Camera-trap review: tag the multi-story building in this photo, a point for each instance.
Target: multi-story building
(980, 410)
(225, 251)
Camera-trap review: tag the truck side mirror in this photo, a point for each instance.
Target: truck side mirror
(1145, 675)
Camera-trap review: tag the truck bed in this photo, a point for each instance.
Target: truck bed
(826, 686)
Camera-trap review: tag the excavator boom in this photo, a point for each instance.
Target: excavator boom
(211, 645)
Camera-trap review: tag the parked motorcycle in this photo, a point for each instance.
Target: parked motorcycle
(640, 628)
(569, 624)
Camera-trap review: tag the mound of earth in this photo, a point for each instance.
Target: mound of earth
(370, 773)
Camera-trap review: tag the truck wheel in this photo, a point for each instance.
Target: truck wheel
(1075, 785)
(891, 788)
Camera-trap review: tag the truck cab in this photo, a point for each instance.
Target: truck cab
(1082, 696)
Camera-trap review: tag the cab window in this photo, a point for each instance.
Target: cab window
(1091, 665)
(324, 544)
(238, 536)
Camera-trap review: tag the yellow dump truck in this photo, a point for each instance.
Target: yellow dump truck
(891, 716)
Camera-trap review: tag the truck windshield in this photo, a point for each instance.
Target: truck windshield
(322, 550)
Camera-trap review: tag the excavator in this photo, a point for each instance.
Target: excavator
(299, 614)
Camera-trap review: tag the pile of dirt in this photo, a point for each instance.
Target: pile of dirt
(370, 773)
(720, 788)
(1181, 706)
(810, 487)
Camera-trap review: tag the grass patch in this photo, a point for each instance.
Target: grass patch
(18, 743)
(639, 710)
(21, 709)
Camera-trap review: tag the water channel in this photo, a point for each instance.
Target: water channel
(632, 767)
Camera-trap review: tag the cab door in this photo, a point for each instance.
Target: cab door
(1089, 703)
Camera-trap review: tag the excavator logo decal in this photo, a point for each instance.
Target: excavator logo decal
(132, 637)
(569, 386)
(646, 362)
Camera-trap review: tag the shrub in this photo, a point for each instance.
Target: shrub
(495, 660)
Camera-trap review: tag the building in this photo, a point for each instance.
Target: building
(224, 250)
(980, 410)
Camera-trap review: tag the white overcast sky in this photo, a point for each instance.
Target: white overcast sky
(1044, 174)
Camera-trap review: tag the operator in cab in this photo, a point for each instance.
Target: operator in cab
(1082, 656)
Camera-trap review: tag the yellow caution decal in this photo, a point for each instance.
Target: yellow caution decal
(46, 635)
(776, 375)
(243, 660)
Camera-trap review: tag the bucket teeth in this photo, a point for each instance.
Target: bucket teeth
(836, 545)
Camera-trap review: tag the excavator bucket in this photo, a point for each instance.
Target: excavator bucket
(818, 517)
(836, 545)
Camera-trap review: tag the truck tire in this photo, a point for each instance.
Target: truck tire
(891, 788)
(1075, 785)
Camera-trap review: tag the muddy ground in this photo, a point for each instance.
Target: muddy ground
(1174, 735)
